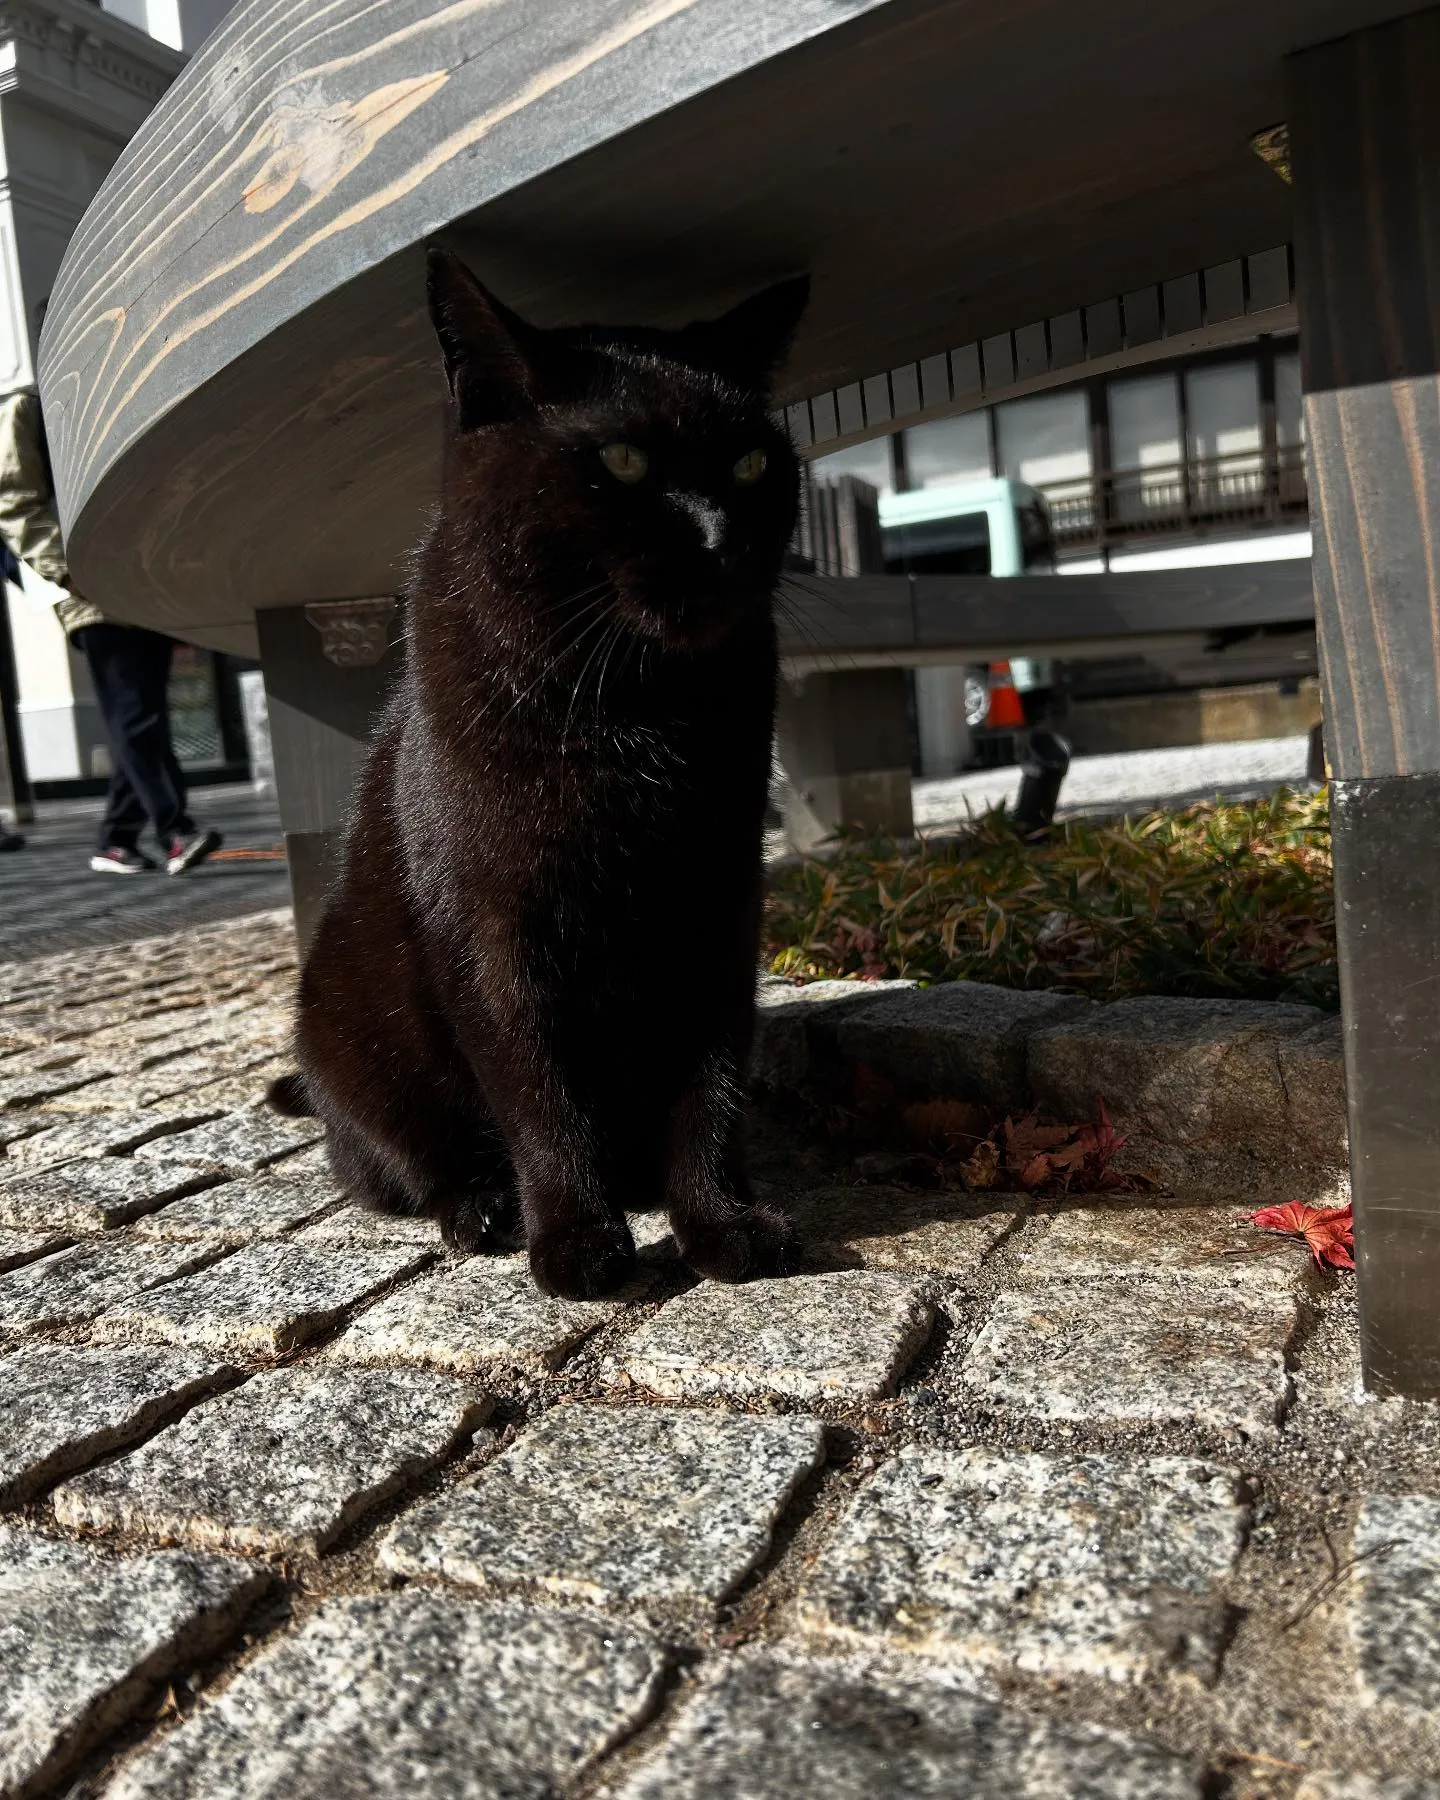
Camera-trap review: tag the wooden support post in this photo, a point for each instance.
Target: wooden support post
(1365, 141)
(328, 669)
(843, 739)
(844, 743)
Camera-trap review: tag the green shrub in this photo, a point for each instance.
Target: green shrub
(1219, 900)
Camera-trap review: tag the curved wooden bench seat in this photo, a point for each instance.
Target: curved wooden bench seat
(237, 370)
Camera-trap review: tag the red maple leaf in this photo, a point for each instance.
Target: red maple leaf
(1328, 1230)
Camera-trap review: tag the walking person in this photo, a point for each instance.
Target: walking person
(130, 667)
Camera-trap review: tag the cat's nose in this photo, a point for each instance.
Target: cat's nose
(709, 519)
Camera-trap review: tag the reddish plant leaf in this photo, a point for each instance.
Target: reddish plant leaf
(1027, 1138)
(1329, 1231)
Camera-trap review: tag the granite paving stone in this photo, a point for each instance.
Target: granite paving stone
(486, 1311)
(285, 1463)
(239, 1143)
(25, 1087)
(411, 1694)
(760, 1726)
(900, 1229)
(97, 1134)
(76, 1285)
(607, 1503)
(85, 1639)
(958, 1039)
(846, 1335)
(168, 1033)
(230, 1093)
(1108, 1353)
(651, 1231)
(18, 1125)
(237, 1212)
(64, 1405)
(1199, 1083)
(1171, 1246)
(166, 1077)
(1395, 1613)
(314, 1161)
(357, 1225)
(1060, 1565)
(788, 1018)
(20, 1247)
(260, 1301)
(95, 1194)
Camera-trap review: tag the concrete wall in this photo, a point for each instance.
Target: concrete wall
(75, 82)
(1198, 716)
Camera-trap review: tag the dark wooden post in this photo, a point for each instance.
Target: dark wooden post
(1365, 139)
(843, 736)
(328, 669)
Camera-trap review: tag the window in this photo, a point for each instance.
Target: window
(869, 462)
(1223, 412)
(1289, 413)
(949, 450)
(1045, 442)
(958, 545)
(1145, 446)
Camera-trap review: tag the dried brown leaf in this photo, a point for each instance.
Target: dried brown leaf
(979, 1170)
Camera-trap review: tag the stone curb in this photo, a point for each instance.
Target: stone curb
(1228, 1097)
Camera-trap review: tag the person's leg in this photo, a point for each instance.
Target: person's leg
(130, 668)
(125, 815)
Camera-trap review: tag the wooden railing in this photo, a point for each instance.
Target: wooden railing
(1117, 505)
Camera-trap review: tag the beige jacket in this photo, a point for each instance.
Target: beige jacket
(27, 505)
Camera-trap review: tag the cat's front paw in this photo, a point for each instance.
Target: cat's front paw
(584, 1261)
(750, 1244)
(483, 1221)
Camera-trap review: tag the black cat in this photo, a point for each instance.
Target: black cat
(536, 977)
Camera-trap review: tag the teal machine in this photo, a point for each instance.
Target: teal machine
(991, 527)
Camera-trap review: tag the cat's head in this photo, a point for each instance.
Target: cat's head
(634, 467)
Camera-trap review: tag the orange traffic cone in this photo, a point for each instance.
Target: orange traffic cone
(1006, 711)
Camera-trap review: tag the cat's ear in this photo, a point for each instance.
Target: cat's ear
(488, 350)
(750, 342)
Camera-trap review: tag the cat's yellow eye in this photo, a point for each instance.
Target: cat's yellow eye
(750, 468)
(625, 462)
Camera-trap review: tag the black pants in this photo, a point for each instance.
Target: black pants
(130, 668)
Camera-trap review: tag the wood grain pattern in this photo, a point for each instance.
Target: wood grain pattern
(1365, 143)
(236, 366)
(1365, 137)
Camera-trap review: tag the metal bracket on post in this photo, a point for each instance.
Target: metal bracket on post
(328, 668)
(354, 634)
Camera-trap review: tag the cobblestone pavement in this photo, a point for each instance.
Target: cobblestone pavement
(992, 1499)
(51, 900)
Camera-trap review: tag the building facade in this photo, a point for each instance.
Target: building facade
(1194, 459)
(76, 79)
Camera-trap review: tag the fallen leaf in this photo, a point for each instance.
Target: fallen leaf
(1329, 1231)
(1027, 1138)
(979, 1169)
(943, 1123)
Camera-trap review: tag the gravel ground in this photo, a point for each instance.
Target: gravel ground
(1133, 781)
